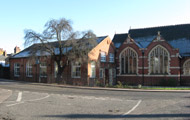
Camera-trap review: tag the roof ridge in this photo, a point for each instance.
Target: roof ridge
(162, 26)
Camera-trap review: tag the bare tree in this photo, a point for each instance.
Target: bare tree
(59, 42)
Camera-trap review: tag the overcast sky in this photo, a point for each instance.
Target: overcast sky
(103, 17)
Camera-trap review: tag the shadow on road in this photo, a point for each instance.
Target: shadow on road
(109, 116)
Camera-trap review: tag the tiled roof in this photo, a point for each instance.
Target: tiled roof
(118, 39)
(178, 36)
(28, 51)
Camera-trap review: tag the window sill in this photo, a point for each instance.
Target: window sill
(129, 74)
(159, 74)
(76, 77)
(16, 75)
(29, 76)
(43, 76)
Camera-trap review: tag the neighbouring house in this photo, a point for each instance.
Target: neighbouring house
(100, 69)
(4, 65)
(154, 56)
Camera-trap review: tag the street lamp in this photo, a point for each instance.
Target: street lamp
(142, 66)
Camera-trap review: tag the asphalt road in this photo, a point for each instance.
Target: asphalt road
(29, 101)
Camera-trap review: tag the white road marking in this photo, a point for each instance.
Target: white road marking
(37, 99)
(138, 103)
(28, 101)
(14, 104)
(19, 98)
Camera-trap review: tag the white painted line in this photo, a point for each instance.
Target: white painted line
(19, 98)
(28, 101)
(38, 99)
(14, 104)
(138, 103)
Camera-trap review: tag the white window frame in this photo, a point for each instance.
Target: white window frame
(127, 66)
(159, 53)
(16, 69)
(186, 67)
(101, 73)
(74, 72)
(111, 57)
(56, 68)
(43, 65)
(28, 69)
(93, 69)
(103, 56)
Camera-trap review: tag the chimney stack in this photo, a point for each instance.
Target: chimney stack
(16, 50)
(5, 53)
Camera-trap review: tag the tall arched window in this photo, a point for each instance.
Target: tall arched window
(128, 61)
(186, 67)
(159, 60)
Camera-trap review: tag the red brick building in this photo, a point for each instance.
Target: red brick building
(154, 56)
(148, 56)
(99, 70)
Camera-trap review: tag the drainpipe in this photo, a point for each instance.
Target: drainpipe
(115, 66)
(180, 70)
(143, 67)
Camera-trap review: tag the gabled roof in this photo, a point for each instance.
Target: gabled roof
(118, 39)
(178, 36)
(28, 51)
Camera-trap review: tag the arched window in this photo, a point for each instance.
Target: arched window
(186, 67)
(159, 60)
(128, 61)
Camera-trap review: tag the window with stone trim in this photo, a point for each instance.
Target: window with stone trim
(103, 56)
(128, 61)
(159, 60)
(76, 70)
(56, 68)
(43, 69)
(186, 67)
(93, 69)
(16, 69)
(29, 69)
(111, 57)
(101, 74)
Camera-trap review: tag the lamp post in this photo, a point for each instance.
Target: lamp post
(142, 66)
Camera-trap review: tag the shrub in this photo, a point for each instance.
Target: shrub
(168, 82)
(119, 85)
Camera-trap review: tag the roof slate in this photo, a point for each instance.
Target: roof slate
(178, 36)
(28, 51)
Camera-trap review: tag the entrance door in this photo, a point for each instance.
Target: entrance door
(110, 76)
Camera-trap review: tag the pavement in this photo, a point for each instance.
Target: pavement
(4, 94)
(97, 88)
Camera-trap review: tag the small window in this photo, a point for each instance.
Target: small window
(111, 57)
(16, 69)
(103, 57)
(43, 69)
(29, 69)
(76, 70)
(101, 73)
(93, 69)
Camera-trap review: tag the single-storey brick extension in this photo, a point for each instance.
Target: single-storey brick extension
(148, 56)
(45, 70)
